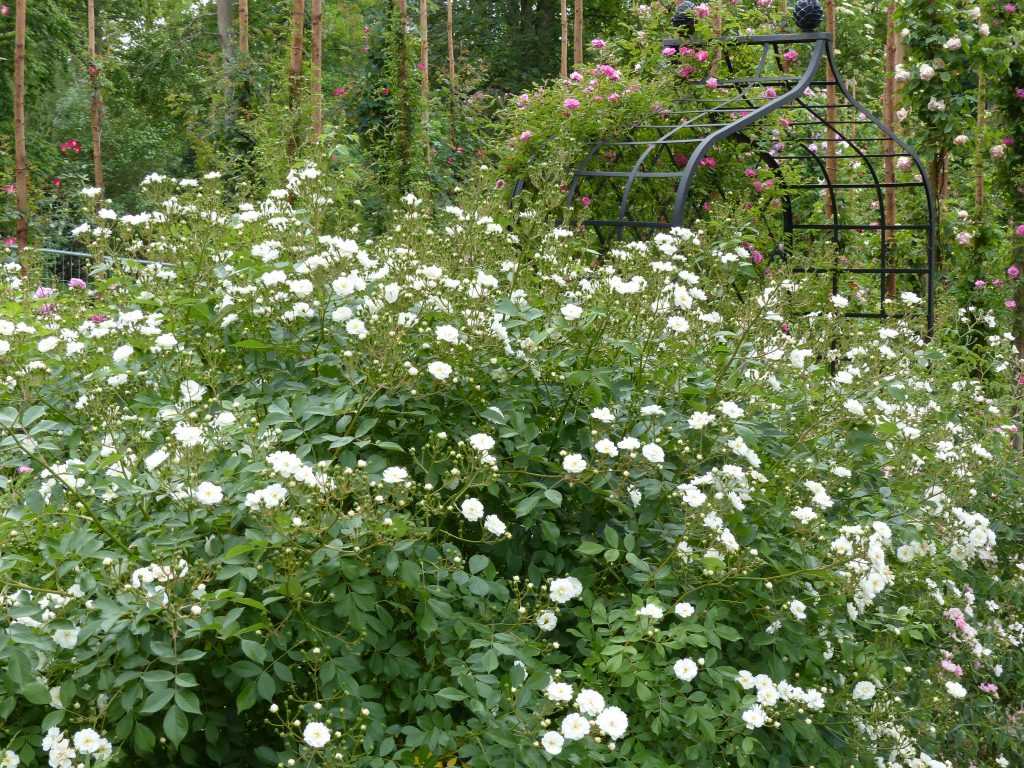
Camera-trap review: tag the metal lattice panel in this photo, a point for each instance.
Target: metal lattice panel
(647, 179)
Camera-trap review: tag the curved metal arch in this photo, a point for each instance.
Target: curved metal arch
(929, 192)
(701, 151)
(820, 70)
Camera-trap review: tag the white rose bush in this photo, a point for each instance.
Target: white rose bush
(461, 494)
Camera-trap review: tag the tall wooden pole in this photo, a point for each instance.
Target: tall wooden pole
(243, 27)
(97, 100)
(405, 104)
(565, 39)
(316, 86)
(577, 34)
(298, 24)
(452, 97)
(20, 148)
(831, 165)
(425, 78)
(890, 98)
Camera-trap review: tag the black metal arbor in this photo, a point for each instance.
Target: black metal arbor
(648, 179)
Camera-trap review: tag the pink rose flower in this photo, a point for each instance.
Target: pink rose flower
(571, 103)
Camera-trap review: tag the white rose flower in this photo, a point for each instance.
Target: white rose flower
(561, 693)
(316, 734)
(66, 638)
(122, 353)
(494, 525)
(472, 509)
(565, 589)
(684, 610)
(613, 723)
(209, 494)
(394, 475)
(575, 726)
(590, 702)
(439, 370)
(653, 453)
(481, 442)
(547, 621)
(572, 312)
(552, 741)
(864, 690)
(685, 669)
(448, 333)
(574, 463)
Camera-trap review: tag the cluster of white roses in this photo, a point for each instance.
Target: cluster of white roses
(86, 747)
(591, 712)
(769, 695)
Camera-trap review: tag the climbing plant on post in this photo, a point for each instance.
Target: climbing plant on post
(425, 79)
(565, 40)
(298, 24)
(316, 87)
(96, 107)
(20, 147)
(577, 34)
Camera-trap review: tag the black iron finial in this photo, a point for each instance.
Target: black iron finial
(683, 17)
(808, 14)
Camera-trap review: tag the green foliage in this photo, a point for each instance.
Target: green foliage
(286, 496)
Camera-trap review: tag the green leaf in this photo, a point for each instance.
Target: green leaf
(187, 701)
(143, 738)
(175, 725)
(254, 651)
(266, 687)
(36, 693)
(246, 697)
(156, 701)
(590, 548)
(155, 676)
(477, 563)
(451, 694)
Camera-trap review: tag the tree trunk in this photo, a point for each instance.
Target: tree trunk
(225, 32)
(20, 150)
(577, 34)
(452, 95)
(298, 25)
(890, 97)
(243, 27)
(316, 69)
(97, 100)
(425, 79)
(565, 40)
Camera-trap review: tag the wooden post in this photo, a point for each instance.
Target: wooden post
(452, 96)
(831, 165)
(20, 149)
(565, 40)
(243, 27)
(577, 34)
(425, 78)
(298, 24)
(97, 100)
(316, 69)
(405, 105)
(979, 153)
(890, 98)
